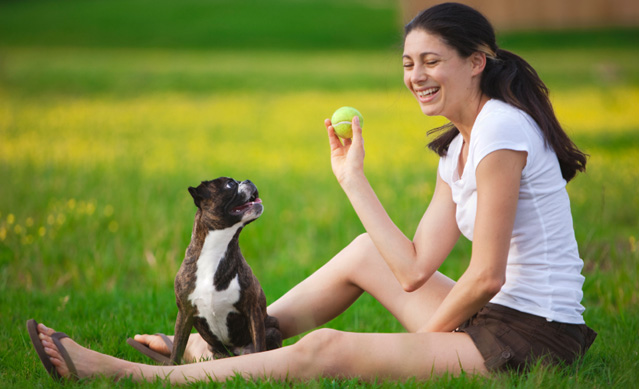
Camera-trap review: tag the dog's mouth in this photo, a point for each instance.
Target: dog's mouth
(254, 199)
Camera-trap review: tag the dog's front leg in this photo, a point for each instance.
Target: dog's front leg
(183, 325)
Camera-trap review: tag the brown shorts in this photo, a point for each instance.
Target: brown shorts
(512, 340)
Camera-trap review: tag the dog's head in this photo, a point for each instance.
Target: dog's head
(225, 202)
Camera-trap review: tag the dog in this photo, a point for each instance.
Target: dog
(215, 289)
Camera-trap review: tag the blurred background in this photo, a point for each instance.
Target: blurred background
(507, 15)
(110, 110)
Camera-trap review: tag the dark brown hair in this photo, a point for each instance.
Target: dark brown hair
(506, 77)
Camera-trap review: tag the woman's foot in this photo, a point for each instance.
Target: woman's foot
(196, 348)
(84, 362)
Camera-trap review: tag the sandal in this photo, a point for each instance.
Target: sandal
(32, 327)
(156, 356)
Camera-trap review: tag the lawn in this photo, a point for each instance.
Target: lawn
(110, 110)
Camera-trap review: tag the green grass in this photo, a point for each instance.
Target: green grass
(201, 24)
(106, 118)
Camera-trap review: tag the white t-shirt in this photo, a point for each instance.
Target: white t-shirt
(543, 273)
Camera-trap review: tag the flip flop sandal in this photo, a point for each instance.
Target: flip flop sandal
(32, 327)
(156, 356)
(57, 337)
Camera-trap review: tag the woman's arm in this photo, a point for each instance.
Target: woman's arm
(498, 177)
(412, 263)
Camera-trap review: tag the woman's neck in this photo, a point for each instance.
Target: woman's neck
(466, 120)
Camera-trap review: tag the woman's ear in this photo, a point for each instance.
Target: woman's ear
(478, 61)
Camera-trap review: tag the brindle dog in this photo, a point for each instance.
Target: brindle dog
(215, 289)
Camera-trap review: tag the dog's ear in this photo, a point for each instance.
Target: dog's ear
(197, 198)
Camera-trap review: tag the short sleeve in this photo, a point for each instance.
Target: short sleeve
(501, 131)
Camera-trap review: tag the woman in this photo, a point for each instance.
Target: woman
(501, 182)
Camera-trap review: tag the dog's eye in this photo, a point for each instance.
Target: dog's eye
(230, 185)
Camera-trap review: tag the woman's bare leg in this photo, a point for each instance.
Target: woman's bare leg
(323, 353)
(334, 287)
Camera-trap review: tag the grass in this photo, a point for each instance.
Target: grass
(107, 118)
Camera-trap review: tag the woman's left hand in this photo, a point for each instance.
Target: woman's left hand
(347, 158)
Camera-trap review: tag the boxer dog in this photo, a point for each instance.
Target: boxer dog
(215, 289)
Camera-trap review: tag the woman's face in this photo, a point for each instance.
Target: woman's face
(440, 79)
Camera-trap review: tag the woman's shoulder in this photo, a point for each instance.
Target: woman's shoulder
(503, 126)
(499, 112)
(500, 121)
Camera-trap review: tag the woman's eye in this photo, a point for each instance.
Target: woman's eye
(431, 63)
(408, 65)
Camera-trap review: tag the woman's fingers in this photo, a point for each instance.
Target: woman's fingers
(357, 131)
(335, 141)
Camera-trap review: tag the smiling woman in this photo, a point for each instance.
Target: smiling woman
(437, 36)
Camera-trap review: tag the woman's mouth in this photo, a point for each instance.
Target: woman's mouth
(427, 94)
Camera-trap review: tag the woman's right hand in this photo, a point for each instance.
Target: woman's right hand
(347, 156)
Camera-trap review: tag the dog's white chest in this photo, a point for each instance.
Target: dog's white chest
(215, 305)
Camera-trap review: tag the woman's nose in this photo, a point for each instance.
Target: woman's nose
(418, 75)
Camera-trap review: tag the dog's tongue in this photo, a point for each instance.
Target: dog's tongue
(242, 207)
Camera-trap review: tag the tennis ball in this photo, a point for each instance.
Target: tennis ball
(342, 119)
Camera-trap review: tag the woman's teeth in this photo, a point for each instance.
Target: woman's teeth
(427, 92)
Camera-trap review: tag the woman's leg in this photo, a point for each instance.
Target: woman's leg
(323, 353)
(335, 286)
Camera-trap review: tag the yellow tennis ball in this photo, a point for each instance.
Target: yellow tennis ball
(342, 119)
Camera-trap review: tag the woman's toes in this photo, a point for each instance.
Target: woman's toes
(154, 342)
(51, 350)
(42, 329)
(60, 366)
